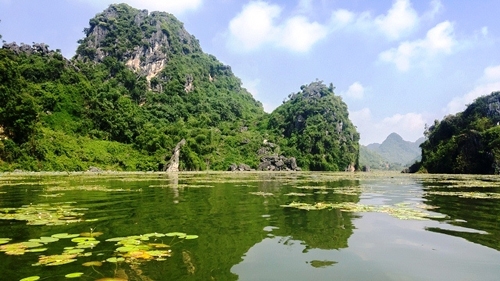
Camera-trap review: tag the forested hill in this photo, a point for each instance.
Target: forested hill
(138, 84)
(314, 126)
(468, 142)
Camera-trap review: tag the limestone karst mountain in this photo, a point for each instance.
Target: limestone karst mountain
(138, 84)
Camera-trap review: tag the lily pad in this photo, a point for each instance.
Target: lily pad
(74, 275)
(37, 250)
(92, 263)
(31, 278)
(115, 259)
(178, 234)
(54, 260)
(190, 237)
(44, 214)
(4, 240)
(65, 235)
(48, 239)
(91, 234)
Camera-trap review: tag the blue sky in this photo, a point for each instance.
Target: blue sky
(398, 64)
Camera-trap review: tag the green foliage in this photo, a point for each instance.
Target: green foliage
(315, 128)
(467, 142)
(99, 110)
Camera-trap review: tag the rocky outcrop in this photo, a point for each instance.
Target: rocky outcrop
(159, 33)
(278, 163)
(241, 168)
(173, 164)
(93, 169)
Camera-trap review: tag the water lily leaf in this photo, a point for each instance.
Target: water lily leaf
(54, 260)
(178, 234)
(4, 240)
(92, 263)
(65, 235)
(189, 237)
(61, 262)
(74, 251)
(159, 245)
(158, 253)
(115, 259)
(116, 239)
(143, 255)
(37, 250)
(74, 275)
(31, 244)
(128, 248)
(31, 278)
(48, 239)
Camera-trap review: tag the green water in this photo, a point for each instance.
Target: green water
(367, 226)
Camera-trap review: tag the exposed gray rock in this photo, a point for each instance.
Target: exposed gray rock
(244, 167)
(93, 169)
(278, 163)
(173, 164)
(233, 167)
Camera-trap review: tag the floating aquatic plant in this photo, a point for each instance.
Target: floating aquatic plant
(322, 264)
(399, 211)
(260, 193)
(85, 188)
(74, 275)
(4, 240)
(474, 195)
(54, 260)
(315, 187)
(44, 214)
(31, 278)
(296, 194)
(92, 263)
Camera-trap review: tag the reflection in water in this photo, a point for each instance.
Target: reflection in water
(245, 234)
(480, 215)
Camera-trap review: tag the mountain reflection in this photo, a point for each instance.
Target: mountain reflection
(476, 219)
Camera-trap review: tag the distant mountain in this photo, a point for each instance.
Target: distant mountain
(393, 153)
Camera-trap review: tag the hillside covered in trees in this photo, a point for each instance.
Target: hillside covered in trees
(468, 142)
(139, 84)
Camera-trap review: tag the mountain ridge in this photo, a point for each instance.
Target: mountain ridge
(394, 153)
(140, 84)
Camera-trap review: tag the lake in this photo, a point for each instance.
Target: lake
(249, 226)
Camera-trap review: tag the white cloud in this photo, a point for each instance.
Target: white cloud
(409, 126)
(487, 84)
(356, 91)
(400, 19)
(175, 7)
(305, 6)
(484, 31)
(436, 7)
(299, 35)
(257, 25)
(439, 40)
(342, 17)
(254, 26)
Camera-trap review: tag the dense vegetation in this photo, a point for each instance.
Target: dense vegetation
(468, 142)
(314, 126)
(139, 84)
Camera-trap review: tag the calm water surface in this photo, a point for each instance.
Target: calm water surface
(380, 226)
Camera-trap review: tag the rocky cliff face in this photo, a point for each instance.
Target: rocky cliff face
(144, 41)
